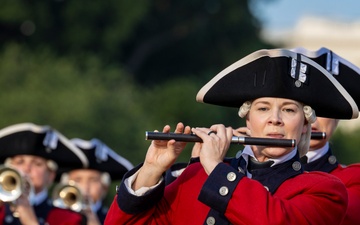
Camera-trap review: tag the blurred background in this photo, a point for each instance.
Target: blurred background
(114, 69)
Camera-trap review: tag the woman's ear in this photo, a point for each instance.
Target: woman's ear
(52, 175)
(248, 123)
(305, 127)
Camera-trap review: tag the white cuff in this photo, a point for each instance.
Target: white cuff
(141, 191)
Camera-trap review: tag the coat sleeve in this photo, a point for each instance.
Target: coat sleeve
(127, 208)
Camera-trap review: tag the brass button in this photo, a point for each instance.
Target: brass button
(210, 220)
(332, 159)
(296, 165)
(231, 176)
(223, 191)
(9, 219)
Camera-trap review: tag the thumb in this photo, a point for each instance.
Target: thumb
(196, 150)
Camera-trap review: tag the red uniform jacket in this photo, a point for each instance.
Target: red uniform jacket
(228, 196)
(2, 213)
(46, 214)
(65, 217)
(349, 175)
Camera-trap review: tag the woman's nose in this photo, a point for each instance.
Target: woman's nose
(275, 118)
(25, 168)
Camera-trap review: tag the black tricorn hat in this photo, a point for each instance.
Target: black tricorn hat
(343, 71)
(42, 141)
(280, 73)
(102, 158)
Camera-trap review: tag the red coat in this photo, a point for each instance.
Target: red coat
(59, 216)
(308, 198)
(54, 216)
(350, 176)
(2, 213)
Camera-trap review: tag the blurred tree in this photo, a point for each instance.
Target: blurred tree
(90, 100)
(85, 101)
(198, 36)
(69, 27)
(345, 145)
(154, 40)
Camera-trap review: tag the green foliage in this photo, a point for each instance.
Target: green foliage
(344, 145)
(153, 40)
(90, 100)
(44, 89)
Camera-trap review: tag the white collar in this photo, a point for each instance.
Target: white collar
(316, 154)
(247, 151)
(37, 199)
(96, 206)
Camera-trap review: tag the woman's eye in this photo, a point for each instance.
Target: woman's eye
(289, 110)
(262, 109)
(17, 162)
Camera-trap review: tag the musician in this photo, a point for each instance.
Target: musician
(320, 156)
(275, 90)
(36, 152)
(105, 165)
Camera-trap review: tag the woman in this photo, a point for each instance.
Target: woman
(105, 166)
(262, 185)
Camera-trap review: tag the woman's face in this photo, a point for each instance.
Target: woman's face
(89, 182)
(326, 125)
(35, 168)
(275, 118)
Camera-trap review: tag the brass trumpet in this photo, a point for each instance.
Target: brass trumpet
(69, 196)
(12, 184)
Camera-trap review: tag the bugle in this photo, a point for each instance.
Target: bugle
(12, 184)
(68, 196)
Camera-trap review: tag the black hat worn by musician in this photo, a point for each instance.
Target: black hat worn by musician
(42, 141)
(343, 71)
(102, 158)
(284, 74)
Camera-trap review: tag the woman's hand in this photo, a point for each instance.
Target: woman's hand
(214, 147)
(159, 157)
(242, 132)
(24, 211)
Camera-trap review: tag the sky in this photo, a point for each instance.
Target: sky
(283, 14)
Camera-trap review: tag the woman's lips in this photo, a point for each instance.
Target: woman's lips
(275, 135)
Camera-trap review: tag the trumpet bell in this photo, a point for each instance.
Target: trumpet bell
(11, 184)
(68, 197)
